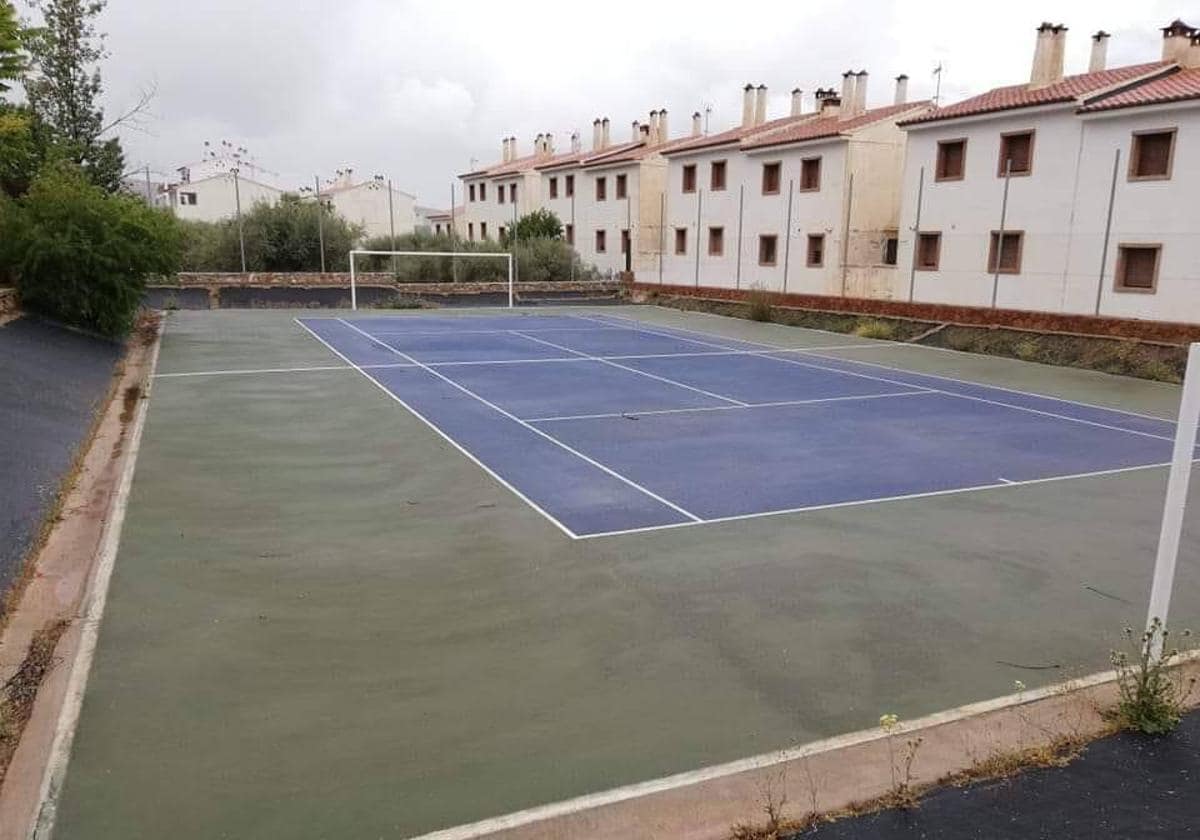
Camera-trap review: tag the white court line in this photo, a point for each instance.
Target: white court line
(533, 429)
(816, 351)
(442, 434)
(769, 355)
(242, 372)
(608, 328)
(611, 363)
(1004, 480)
(781, 403)
(881, 499)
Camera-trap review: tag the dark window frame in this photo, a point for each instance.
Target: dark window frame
(681, 241)
(716, 236)
(718, 184)
(1135, 154)
(931, 235)
(1119, 276)
(939, 163)
(688, 178)
(996, 251)
(763, 239)
(809, 262)
(1005, 137)
(804, 164)
(775, 166)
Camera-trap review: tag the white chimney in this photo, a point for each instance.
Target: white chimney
(575, 145)
(512, 148)
(748, 106)
(901, 89)
(652, 140)
(1048, 55)
(760, 106)
(848, 81)
(797, 102)
(504, 150)
(828, 103)
(604, 133)
(1099, 59)
(1177, 38)
(549, 143)
(596, 135)
(538, 147)
(1191, 58)
(637, 132)
(663, 133)
(860, 93)
(697, 124)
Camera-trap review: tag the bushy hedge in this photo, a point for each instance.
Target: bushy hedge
(537, 260)
(81, 255)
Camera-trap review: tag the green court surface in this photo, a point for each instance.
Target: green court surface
(325, 621)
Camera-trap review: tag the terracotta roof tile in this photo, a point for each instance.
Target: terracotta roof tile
(733, 135)
(583, 158)
(1176, 87)
(833, 126)
(1069, 89)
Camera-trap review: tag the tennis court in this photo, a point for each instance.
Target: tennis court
(607, 426)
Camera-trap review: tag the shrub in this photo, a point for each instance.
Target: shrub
(540, 224)
(81, 255)
(537, 260)
(1151, 697)
(875, 329)
(759, 306)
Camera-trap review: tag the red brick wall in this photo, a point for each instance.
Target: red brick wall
(1046, 322)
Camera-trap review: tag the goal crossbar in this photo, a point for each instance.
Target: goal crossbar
(505, 255)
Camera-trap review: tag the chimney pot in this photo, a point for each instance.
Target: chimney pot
(663, 132)
(797, 102)
(760, 106)
(860, 92)
(748, 106)
(637, 132)
(1177, 41)
(901, 89)
(847, 97)
(1048, 55)
(604, 139)
(697, 124)
(1099, 59)
(596, 135)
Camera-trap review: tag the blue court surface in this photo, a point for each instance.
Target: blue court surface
(608, 426)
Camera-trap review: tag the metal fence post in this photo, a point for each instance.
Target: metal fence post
(1000, 235)
(737, 281)
(1112, 196)
(916, 237)
(787, 234)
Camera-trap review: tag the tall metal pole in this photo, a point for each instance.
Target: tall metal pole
(574, 231)
(392, 225)
(453, 237)
(1000, 236)
(916, 237)
(237, 198)
(321, 225)
(846, 234)
(1176, 499)
(629, 236)
(737, 282)
(1112, 196)
(787, 234)
(662, 233)
(699, 204)
(149, 197)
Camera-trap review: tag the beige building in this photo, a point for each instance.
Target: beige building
(369, 205)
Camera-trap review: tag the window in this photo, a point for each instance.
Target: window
(810, 174)
(500, 194)
(689, 178)
(471, 192)
(1008, 252)
(188, 199)
(816, 250)
(601, 189)
(770, 178)
(891, 248)
(500, 233)
(716, 241)
(716, 180)
(1151, 155)
(680, 240)
(767, 248)
(622, 183)
(569, 184)
(625, 241)
(483, 230)
(929, 251)
(601, 242)
(483, 192)
(951, 160)
(1137, 268)
(554, 188)
(1016, 153)
(571, 235)
(512, 193)
(471, 231)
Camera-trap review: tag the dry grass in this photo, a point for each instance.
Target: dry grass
(18, 694)
(875, 328)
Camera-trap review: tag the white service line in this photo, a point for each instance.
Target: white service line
(611, 363)
(452, 332)
(533, 429)
(781, 403)
(442, 434)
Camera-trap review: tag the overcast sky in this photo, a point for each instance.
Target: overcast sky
(415, 91)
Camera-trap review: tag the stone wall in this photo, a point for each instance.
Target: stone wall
(276, 279)
(8, 302)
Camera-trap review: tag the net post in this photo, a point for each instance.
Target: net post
(1176, 499)
(510, 281)
(353, 291)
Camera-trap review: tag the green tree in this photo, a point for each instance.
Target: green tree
(81, 255)
(65, 87)
(12, 54)
(540, 224)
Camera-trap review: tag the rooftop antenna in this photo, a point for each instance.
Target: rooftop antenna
(937, 93)
(707, 113)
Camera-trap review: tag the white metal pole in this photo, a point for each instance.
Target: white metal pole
(353, 293)
(510, 281)
(1177, 489)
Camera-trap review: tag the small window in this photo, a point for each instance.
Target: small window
(500, 232)
(716, 180)
(601, 242)
(1005, 257)
(816, 250)
(1137, 268)
(601, 189)
(483, 192)
(716, 241)
(680, 240)
(1016, 153)
(810, 174)
(471, 192)
(622, 186)
(187, 198)
(483, 230)
(891, 248)
(929, 251)
(770, 178)
(1151, 155)
(569, 185)
(554, 188)
(571, 235)
(512, 193)
(689, 178)
(625, 241)
(500, 194)
(471, 231)
(768, 246)
(951, 160)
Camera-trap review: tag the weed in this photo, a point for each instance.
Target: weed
(872, 328)
(1027, 350)
(902, 794)
(1151, 696)
(403, 302)
(17, 695)
(759, 307)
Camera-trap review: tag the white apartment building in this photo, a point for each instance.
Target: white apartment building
(1069, 194)
(215, 197)
(807, 203)
(369, 205)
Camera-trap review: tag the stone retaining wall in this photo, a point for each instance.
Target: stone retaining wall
(268, 279)
(8, 302)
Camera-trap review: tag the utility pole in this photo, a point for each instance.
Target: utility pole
(149, 197)
(392, 224)
(237, 198)
(320, 221)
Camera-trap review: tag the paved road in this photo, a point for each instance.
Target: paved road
(51, 382)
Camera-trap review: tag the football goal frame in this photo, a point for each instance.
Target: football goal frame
(505, 255)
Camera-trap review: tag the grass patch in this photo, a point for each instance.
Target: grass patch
(875, 328)
(1152, 698)
(399, 301)
(18, 694)
(759, 306)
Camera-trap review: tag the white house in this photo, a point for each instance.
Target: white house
(368, 204)
(1066, 194)
(804, 203)
(216, 197)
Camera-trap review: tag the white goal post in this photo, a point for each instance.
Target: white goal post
(464, 254)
